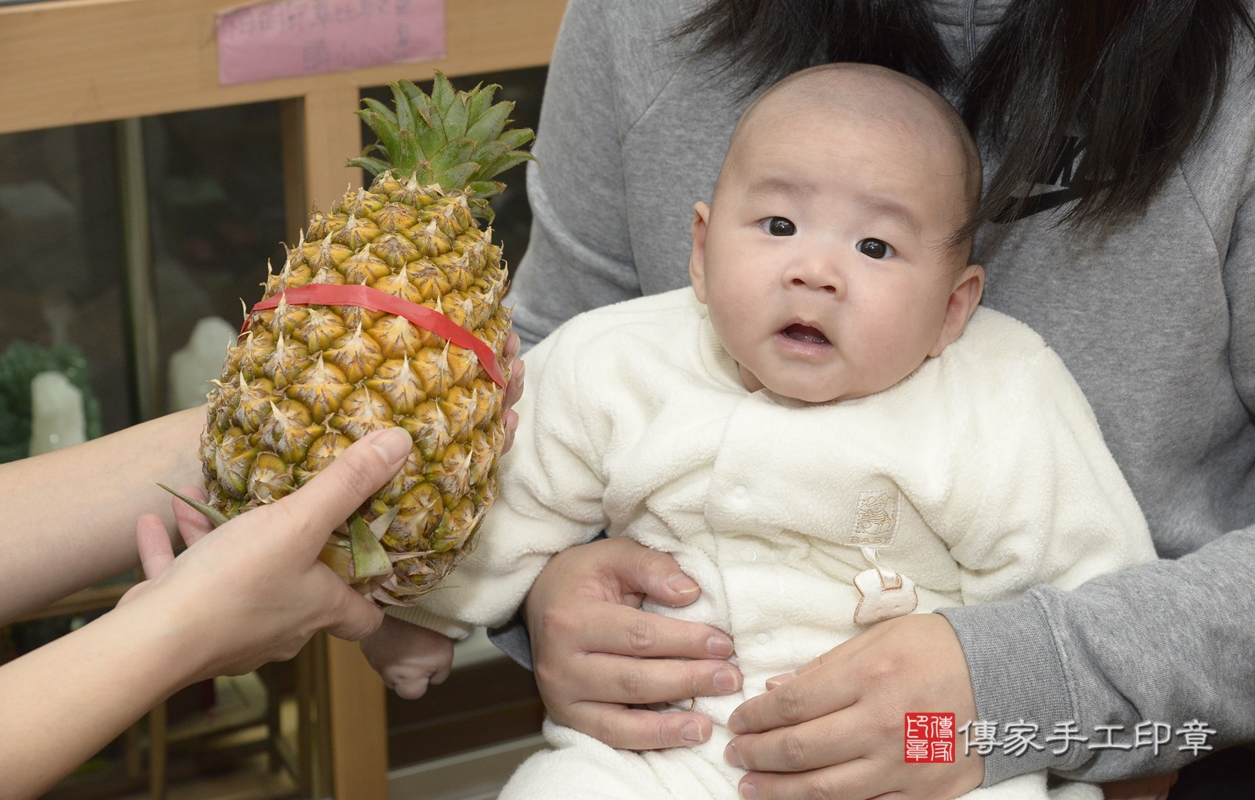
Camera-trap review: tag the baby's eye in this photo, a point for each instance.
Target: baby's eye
(875, 248)
(779, 226)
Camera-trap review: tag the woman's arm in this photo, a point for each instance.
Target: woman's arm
(246, 593)
(69, 516)
(68, 699)
(580, 254)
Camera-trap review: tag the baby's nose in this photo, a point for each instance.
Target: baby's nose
(819, 273)
(829, 287)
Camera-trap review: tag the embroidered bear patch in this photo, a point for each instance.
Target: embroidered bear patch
(876, 519)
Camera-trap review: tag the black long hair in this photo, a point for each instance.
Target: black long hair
(1138, 81)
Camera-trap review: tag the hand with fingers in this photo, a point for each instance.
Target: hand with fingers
(834, 727)
(409, 658)
(245, 593)
(513, 390)
(255, 583)
(596, 654)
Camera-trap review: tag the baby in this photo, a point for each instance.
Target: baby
(824, 431)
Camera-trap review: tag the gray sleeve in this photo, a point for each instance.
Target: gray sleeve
(580, 254)
(512, 639)
(1170, 642)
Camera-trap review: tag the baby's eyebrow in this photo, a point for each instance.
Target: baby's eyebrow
(779, 186)
(891, 208)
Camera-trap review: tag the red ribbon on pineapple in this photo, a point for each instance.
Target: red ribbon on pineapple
(330, 294)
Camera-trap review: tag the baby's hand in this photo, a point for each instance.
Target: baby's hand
(408, 657)
(1155, 788)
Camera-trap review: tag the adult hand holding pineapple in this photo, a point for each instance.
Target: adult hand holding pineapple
(249, 592)
(269, 609)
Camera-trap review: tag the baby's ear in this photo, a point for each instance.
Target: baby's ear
(697, 258)
(960, 307)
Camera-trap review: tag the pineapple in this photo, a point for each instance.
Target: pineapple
(304, 381)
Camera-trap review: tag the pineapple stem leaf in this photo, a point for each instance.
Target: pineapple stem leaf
(371, 165)
(482, 190)
(481, 100)
(406, 114)
(370, 560)
(422, 103)
(335, 554)
(380, 526)
(430, 138)
(517, 137)
(481, 209)
(412, 151)
(442, 94)
(212, 514)
(458, 176)
(489, 152)
(380, 109)
(502, 164)
(488, 125)
(453, 154)
(388, 133)
(457, 119)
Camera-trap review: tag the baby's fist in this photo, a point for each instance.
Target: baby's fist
(408, 657)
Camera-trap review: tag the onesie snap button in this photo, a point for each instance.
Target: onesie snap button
(740, 491)
(748, 554)
(762, 638)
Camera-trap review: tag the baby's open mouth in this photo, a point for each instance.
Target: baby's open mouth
(805, 333)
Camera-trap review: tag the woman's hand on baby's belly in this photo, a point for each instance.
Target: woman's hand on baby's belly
(835, 728)
(595, 654)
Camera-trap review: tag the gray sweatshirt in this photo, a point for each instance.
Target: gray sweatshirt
(1155, 321)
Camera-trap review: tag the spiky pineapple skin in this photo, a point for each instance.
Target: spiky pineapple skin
(305, 382)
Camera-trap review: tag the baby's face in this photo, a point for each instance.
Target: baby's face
(824, 261)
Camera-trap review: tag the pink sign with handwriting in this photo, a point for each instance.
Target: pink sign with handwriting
(292, 38)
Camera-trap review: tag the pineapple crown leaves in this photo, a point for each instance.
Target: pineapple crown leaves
(456, 139)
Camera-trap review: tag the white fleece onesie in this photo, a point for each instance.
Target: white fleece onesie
(985, 468)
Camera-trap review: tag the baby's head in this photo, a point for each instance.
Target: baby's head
(828, 256)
